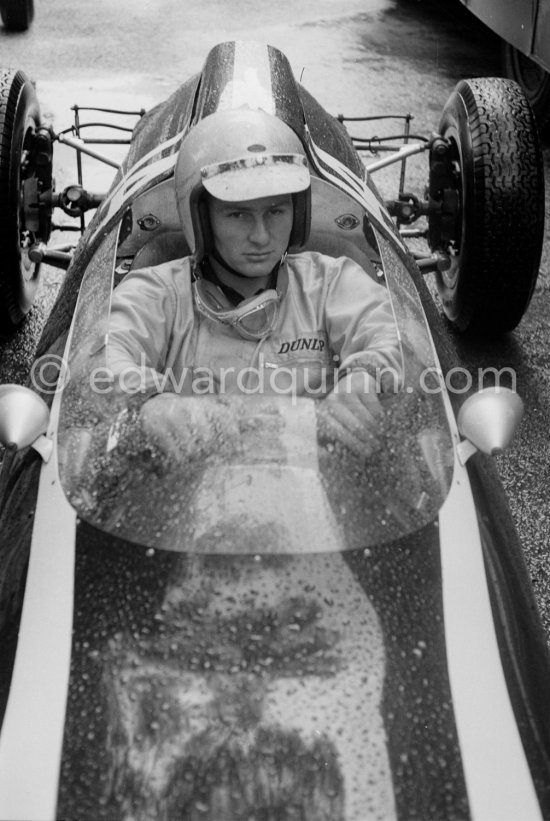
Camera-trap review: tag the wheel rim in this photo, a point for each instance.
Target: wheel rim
(452, 244)
(29, 270)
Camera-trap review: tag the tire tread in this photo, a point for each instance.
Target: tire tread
(14, 92)
(505, 234)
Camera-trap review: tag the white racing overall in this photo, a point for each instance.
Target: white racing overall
(333, 316)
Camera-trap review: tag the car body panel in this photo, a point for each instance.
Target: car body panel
(28, 781)
(525, 24)
(483, 697)
(541, 43)
(434, 603)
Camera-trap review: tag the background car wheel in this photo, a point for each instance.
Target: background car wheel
(19, 119)
(17, 15)
(533, 79)
(491, 215)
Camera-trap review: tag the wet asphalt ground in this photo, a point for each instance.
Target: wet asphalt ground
(358, 57)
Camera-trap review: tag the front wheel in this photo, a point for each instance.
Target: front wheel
(19, 120)
(17, 15)
(492, 202)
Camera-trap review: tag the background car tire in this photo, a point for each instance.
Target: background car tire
(533, 79)
(496, 163)
(19, 118)
(17, 15)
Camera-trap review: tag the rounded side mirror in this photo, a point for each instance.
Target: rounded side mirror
(24, 416)
(490, 418)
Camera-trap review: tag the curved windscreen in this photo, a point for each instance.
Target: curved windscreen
(247, 472)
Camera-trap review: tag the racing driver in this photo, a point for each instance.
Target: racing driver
(247, 311)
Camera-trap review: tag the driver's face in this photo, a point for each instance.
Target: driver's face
(252, 235)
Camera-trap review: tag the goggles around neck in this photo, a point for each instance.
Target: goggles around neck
(254, 318)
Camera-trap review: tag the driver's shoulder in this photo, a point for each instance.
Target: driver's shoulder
(171, 275)
(313, 266)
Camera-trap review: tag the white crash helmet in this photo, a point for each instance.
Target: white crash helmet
(235, 155)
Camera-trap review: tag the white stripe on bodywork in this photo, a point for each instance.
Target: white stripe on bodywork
(334, 171)
(128, 189)
(143, 171)
(345, 173)
(498, 779)
(250, 86)
(31, 741)
(147, 158)
(32, 733)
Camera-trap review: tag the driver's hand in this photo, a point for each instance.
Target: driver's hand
(351, 414)
(189, 427)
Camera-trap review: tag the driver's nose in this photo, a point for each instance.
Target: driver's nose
(259, 233)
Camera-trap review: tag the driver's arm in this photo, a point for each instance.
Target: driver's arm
(363, 333)
(361, 325)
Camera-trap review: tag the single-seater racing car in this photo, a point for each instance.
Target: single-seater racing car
(278, 629)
